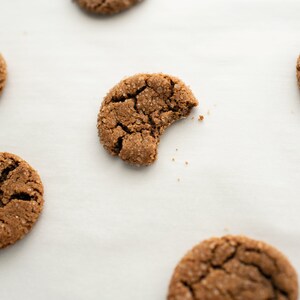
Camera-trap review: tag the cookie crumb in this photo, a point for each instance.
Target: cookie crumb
(173, 159)
(192, 118)
(186, 163)
(201, 118)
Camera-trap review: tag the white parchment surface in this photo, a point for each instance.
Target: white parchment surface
(110, 231)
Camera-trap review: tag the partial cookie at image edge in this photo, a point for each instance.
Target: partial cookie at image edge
(21, 198)
(233, 267)
(3, 73)
(298, 71)
(108, 7)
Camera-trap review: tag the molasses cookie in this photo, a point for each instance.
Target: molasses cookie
(233, 268)
(298, 70)
(3, 73)
(137, 111)
(106, 7)
(21, 198)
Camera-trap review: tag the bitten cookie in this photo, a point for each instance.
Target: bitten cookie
(233, 268)
(106, 7)
(137, 111)
(21, 198)
(3, 73)
(298, 70)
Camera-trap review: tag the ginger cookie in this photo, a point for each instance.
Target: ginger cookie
(137, 111)
(21, 198)
(233, 268)
(298, 70)
(3, 73)
(106, 7)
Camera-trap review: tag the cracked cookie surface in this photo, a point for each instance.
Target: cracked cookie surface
(21, 198)
(298, 71)
(106, 7)
(137, 111)
(233, 268)
(3, 73)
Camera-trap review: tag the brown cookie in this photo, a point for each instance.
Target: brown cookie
(137, 111)
(21, 198)
(233, 268)
(298, 70)
(3, 73)
(106, 7)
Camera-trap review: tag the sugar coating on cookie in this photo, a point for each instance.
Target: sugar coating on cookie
(21, 198)
(233, 268)
(137, 111)
(106, 7)
(298, 70)
(3, 73)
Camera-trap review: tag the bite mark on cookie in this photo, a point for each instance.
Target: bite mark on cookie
(137, 111)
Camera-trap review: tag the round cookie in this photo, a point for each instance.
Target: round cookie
(137, 111)
(233, 268)
(298, 70)
(3, 73)
(21, 198)
(106, 7)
